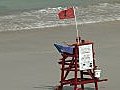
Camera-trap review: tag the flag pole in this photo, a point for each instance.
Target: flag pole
(76, 24)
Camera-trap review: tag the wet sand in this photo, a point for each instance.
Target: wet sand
(28, 59)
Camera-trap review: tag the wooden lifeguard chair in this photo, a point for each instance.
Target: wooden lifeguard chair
(78, 59)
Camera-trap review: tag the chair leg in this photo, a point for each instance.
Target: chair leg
(96, 86)
(82, 86)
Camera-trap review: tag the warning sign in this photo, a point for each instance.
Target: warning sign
(86, 57)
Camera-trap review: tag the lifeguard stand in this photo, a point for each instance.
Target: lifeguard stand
(78, 59)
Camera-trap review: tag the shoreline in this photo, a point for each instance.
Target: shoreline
(72, 25)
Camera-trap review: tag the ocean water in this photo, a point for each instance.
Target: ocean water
(30, 14)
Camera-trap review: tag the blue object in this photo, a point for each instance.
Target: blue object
(64, 48)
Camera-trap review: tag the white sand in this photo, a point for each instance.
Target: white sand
(28, 60)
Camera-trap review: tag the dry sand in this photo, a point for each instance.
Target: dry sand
(28, 59)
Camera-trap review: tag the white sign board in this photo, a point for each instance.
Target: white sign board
(85, 57)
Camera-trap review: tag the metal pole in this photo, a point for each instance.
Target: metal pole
(76, 24)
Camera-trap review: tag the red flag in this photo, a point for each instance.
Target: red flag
(66, 14)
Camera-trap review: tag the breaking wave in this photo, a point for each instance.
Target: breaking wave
(48, 17)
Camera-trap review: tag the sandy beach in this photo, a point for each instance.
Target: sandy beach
(28, 59)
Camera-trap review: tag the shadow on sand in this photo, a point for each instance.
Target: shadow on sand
(71, 88)
(65, 88)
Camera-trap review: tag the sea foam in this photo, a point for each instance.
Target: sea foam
(48, 17)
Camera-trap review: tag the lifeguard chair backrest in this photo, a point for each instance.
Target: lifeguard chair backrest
(64, 48)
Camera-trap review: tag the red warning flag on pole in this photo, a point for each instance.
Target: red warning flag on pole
(66, 14)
